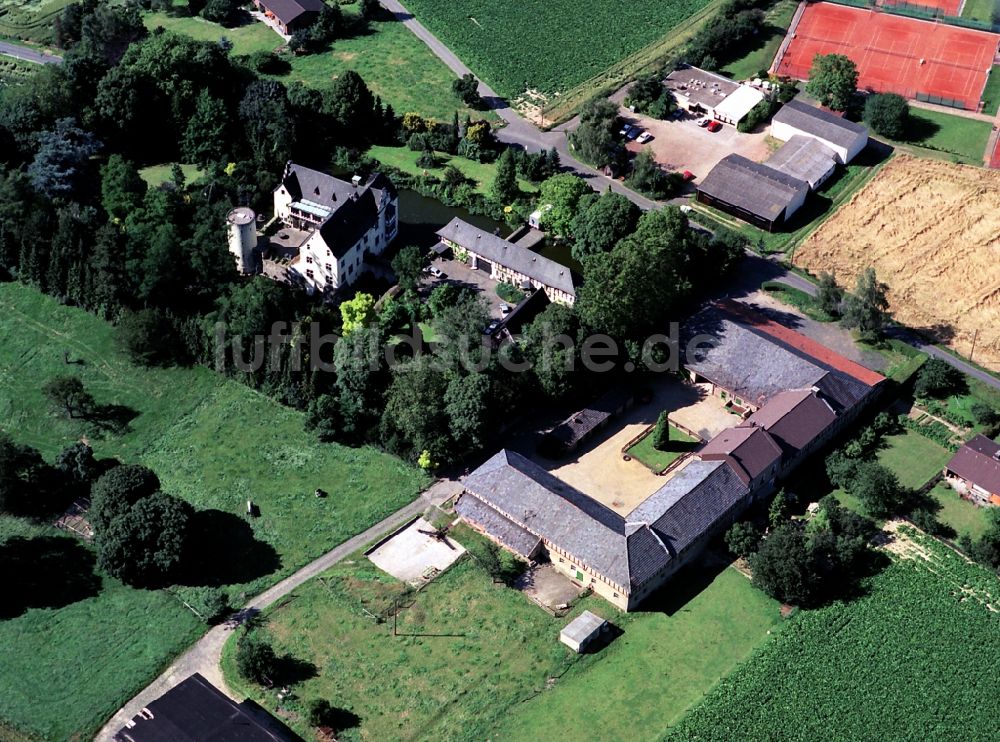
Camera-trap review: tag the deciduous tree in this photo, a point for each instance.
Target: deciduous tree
(833, 80)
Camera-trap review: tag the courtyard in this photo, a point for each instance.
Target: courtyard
(599, 469)
(458, 273)
(681, 144)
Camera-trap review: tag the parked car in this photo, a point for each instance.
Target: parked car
(703, 123)
(505, 309)
(437, 272)
(625, 130)
(714, 126)
(636, 131)
(491, 327)
(687, 175)
(644, 137)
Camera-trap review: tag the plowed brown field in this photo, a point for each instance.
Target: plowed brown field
(931, 230)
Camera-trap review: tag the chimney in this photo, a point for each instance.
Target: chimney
(356, 180)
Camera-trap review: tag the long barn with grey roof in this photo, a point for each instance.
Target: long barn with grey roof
(845, 138)
(756, 193)
(508, 262)
(802, 394)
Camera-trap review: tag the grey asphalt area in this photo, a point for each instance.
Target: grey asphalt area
(28, 54)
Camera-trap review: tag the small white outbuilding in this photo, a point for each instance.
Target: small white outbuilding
(582, 630)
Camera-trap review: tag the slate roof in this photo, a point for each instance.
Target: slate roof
(756, 361)
(353, 210)
(506, 531)
(804, 158)
(820, 123)
(518, 259)
(197, 711)
(582, 423)
(978, 462)
(794, 418)
(690, 503)
(753, 187)
(628, 551)
(750, 448)
(288, 10)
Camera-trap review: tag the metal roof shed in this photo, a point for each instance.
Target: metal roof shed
(738, 104)
(582, 630)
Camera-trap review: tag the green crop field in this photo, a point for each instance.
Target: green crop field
(910, 659)
(215, 443)
(551, 46)
(474, 659)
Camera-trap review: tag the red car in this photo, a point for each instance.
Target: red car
(687, 175)
(714, 126)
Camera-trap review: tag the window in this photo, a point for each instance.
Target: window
(329, 267)
(309, 274)
(561, 560)
(615, 594)
(309, 258)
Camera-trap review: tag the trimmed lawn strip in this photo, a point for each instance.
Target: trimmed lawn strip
(156, 175)
(959, 139)
(214, 442)
(991, 93)
(979, 10)
(645, 453)
(246, 39)
(797, 298)
(914, 458)
(779, 18)
(967, 519)
(668, 658)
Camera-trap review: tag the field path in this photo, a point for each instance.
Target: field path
(518, 130)
(206, 654)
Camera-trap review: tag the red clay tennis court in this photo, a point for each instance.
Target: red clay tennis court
(915, 58)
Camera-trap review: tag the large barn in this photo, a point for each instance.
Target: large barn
(844, 138)
(757, 193)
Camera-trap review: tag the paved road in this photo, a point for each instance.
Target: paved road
(520, 131)
(205, 655)
(27, 54)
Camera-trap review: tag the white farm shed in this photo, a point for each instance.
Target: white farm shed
(582, 630)
(844, 137)
(738, 104)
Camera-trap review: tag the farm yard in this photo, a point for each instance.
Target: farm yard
(929, 229)
(214, 443)
(909, 658)
(478, 660)
(549, 47)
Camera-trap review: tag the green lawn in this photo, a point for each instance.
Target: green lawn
(953, 135)
(645, 453)
(474, 657)
(246, 39)
(405, 159)
(797, 298)
(991, 93)
(962, 515)
(214, 442)
(779, 18)
(395, 64)
(914, 458)
(979, 10)
(907, 659)
(155, 175)
(667, 659)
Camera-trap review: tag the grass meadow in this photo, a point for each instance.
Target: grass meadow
(212, 441)
(477, 660)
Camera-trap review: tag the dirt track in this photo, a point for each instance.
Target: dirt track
(932, 232)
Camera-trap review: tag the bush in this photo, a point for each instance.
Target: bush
(939, 379)
(985, 415)
(758, 116)
(887, 114)
(742, 539)
(510, 293)
(256, 660)
(216, 605)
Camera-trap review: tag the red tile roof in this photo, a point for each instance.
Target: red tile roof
(803, 344)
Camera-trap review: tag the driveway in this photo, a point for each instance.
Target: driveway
(28, 54)
(683, 145)
(458, 273)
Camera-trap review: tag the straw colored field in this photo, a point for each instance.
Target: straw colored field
(931, 230)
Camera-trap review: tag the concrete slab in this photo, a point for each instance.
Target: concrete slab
(544, 585)
(415, 556)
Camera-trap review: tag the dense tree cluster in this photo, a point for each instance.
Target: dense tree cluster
(807, 563)
(650, 96)
(729, 35)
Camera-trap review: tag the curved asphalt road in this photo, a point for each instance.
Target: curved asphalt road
(27, 54)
